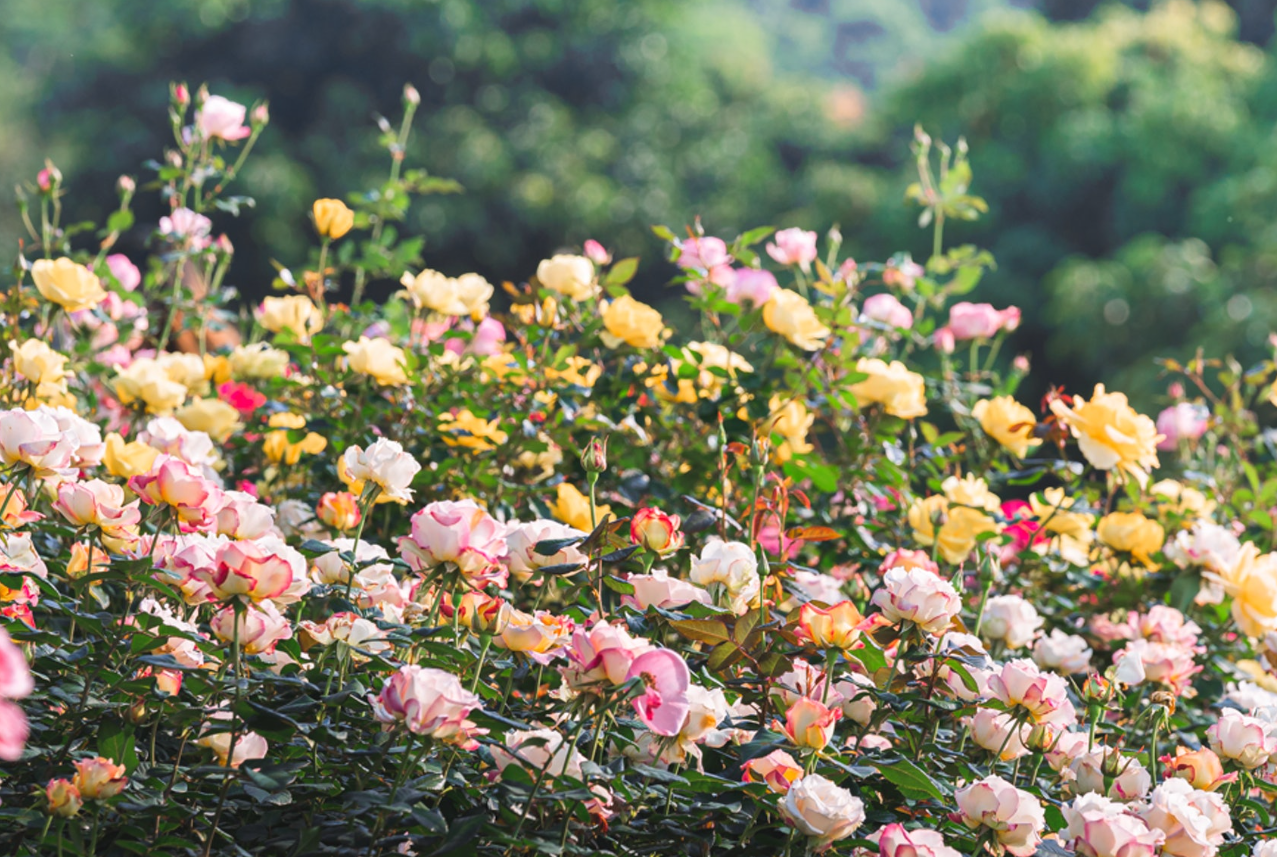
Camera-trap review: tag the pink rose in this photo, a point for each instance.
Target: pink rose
(222, 119)
(703, 254)
(997, 732)
(1010, 619)
(243, 517)
(1193, 821)
(260, 627)
(752, 284)
(914, 595)
(1043, 695)
(655, 530)
(15, 675)
(664, 704)
(981, 321)
(824, 812)
(429, 702)
(539, 750)
(1242, 738)
(596, 252)
(258, 569)
(603, 654)
(895, 841)
(794, 247)
(810, 724)
(14, 731)
(521, 541)
(184, 489)
(124, 271)
(186, 224)
(777, 769)
(459, 533)
(660, 590)
(99, 778)
(1182, 421)
(1106, 771)
(1099, 827)
(944, 340)
(1015, 817)
(1164, 663)
(36, 440)
(385, 464)
(886, 309)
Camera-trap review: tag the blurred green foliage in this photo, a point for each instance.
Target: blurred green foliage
(1127, 158)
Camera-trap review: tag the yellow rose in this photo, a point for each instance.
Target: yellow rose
(957, 535)
(1139, 536)
(1071, 534)
(970, 490)
(1008, 422)
(1181, 499)
(217, 368)
(1252, 583)
(1111, 434)
(580, 371)
(379, 359)
(258, 361)
(294, 312)
(332, 218)
(789, 314)
(212, 416)
(67, 284)
(542, 462)
(710, 356)
(454, 296)
(573, 508)
(146, 381)
(632, 322)
(790, 419)
(125, 459)
(38, 363)
(680, 390)
(900, 392)
(568, 275)
(278, 448)
(467, 430)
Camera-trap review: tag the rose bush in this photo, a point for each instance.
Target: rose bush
(532, 571)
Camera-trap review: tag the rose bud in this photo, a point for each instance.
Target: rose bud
(594, 456)
(809, 723)
(99, 779)
(829, 628)
(484, 614)
(656, 531)
(64, 798)
(339, 510)
(777, 769)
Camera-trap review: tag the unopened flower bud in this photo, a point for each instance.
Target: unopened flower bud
(1020, 364)
(1041, 737)
(201, 95)
(223, 245)
(64, 798)
(594, 456)
(339, 510)
(1114, 763)
(411, 95)
(126, 184)
(1175, 390)
(180, 94)
(260, 116)
(174, 158)
(484, 614)
(597, 253)
(1096, 690)
(49, 177)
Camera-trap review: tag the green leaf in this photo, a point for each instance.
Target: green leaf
(912, 781)
(115, 742)
(710, 631)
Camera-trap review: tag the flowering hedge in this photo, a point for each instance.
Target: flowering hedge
(424, 577)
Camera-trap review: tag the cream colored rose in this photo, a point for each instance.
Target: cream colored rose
(790, 419)
(1111, 434)
(214, 417)
(789, 314)
(634, 323)
(294, 312)
(257, 361)
(959, 529)
(1008, 422)
(39, 363)
(67, 284)
(146, 381)
(454, 296)
(900, 392)
(568, 275)
(379, 359)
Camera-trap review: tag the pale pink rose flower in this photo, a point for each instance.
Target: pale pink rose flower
(895, 841)
(596, 252)
(1043, 695)
(1067, 654)
(793, 247)
(752, 284)
(1164, 624)
(243, 517)
(802, 680)
(810, 724)
(1067, 747)
(602, 655)
(385, 464)
(15, 675)
(660, 590)
(858, 697)
(664, 703)
(887, 309)
(822, 811)
(1099, 827)
(1242, 738)
(703, 254)
(261, 626)
(429, 702)
(87, 437)
(258, 569)
(186, 224)
(1010, 619)
(1193, 821)
(918, 596)
(538, 750)
(248, 745)
(1130, 668)
(182, 487)
(14, 731)
(460, 533)
(219, 118)
(1180, 422)
(981, 321)
(944, 340)
(1165, 663)
(353, 630)
(522, 538)
(1106, 771)
(997, 732)
(1015, 817)
(34, 439)
(124, 271)
(98, 504)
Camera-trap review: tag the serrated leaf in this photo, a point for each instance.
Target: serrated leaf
(709, 631)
